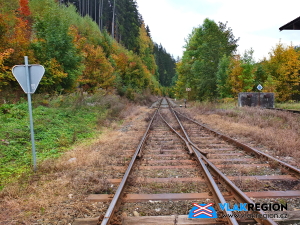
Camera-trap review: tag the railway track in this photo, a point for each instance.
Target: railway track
(180, 162)
(286, 110)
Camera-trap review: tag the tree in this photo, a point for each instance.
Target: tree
(166, 66)
(283, 68)
(242, 73)
(204, 49)
(223, 87)
(15, 34)
(248, 73)
(127, 20)
(260, 73)
(146, 49)
(4, 74)
(128, 24)
(54, 48)
(24, 8)
(98, 72)
(235, 71)
(72, 48)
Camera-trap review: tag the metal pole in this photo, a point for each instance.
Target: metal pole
(30, 111)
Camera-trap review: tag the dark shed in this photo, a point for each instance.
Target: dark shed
(293, 25)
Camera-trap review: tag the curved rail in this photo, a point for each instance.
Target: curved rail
(217, 195)
(185, 133)
(238, 194)
(295, 171)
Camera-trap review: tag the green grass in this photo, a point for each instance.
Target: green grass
(231, 103)
(59, 123)
(288, 105)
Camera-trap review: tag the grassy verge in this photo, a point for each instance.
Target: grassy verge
(231, 103)
(288, 105)
(276, 131)
(59, 122)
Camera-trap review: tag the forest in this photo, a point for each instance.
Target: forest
(87, 46)
(212, 68)
(105, 44)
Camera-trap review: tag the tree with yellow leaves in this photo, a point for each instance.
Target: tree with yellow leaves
(146, 49)
(235, 70)
(283, 68)
(242, 73)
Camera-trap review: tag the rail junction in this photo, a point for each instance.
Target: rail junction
(180, 162)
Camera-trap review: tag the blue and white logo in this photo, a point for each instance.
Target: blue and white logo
(202, 211)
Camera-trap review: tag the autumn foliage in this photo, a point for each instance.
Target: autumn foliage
(24, 8)
(75, 54)
(226, 73)
(279, 74)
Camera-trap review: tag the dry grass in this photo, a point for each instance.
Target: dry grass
(56, 193)
(275, 132)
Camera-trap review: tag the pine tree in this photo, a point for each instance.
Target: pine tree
(166, 65)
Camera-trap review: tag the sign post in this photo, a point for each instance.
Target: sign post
(29, 82)
(259, 88)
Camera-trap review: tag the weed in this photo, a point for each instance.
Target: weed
(289, 105)
(278, 131)
(57, 191)
(273, 164)
(59, 122)
(282, 201)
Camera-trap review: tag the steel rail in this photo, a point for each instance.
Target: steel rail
(117, 197)
(217, 195)
(210, 180)
(179, 135)
(183, 130)
(286, 110)
(238, 194)
(181, 126)
(295, 171)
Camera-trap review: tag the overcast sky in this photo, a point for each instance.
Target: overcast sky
(255, 22)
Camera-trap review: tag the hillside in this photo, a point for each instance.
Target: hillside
(77, 53)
